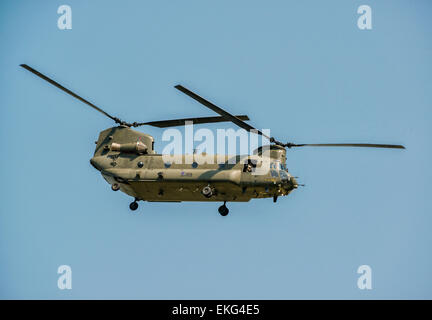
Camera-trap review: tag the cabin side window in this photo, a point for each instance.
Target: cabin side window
(250, 166)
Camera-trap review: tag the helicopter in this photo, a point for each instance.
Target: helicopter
(127, 160)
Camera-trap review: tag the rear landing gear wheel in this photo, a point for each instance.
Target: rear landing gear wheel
(133, 206)
(223, 210)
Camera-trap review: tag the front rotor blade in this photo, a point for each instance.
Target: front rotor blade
(181, 122)
(220, 111)
(362, 145)
(69, 92)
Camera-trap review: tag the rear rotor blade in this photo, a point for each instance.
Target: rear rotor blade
(181, 122)
(220, 111)
(361, 145)
(117, 120)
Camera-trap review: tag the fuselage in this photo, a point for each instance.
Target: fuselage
(150, 177)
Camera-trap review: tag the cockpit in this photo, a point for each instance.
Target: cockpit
(278, 169)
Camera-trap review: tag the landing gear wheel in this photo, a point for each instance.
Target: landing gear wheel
(223, 210)
(133, 206)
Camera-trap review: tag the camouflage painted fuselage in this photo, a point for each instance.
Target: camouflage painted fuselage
(147, 177)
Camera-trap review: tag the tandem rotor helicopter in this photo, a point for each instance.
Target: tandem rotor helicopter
(128, 162)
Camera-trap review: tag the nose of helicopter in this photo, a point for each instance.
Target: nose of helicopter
(293, 182)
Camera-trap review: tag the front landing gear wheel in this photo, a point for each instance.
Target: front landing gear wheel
(133, 206)
(223, 210)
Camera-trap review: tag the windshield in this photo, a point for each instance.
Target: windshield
(278, 166)
(283, 175)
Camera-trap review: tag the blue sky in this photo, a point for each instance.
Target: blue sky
(301, 68)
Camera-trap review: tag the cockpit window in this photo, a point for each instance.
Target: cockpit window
(274, 174)
(278, 166)
(284, 175)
